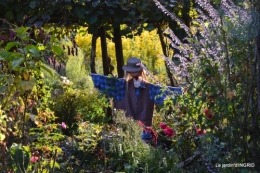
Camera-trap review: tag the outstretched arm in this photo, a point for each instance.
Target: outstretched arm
(111, 86)
(158, 93)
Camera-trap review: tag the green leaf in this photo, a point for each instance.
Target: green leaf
(57, 50)
(11, 45)
(6, 55)
(32, 4)
(35, 51)
(56, 165)
(27, 149)
(17, 62)
(21, 31)
(9, 15)
(47, 69)
(27, 85)
(31, 47)
(3, 89)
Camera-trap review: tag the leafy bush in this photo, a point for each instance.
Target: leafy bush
(81, 150)
(124, 150)
(24, 97)
(77, 105)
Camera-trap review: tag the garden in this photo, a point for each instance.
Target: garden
(53, 119)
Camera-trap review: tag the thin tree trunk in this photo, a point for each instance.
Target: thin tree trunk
(105, 60)
(173, 81)
(93, 52)
(119, 51)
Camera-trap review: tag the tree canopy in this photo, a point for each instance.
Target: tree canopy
(91, 13)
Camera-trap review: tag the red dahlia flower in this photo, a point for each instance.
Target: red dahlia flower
(162, 125)
(169, 132)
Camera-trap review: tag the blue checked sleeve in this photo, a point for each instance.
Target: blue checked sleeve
(158, 94)
(111, 86)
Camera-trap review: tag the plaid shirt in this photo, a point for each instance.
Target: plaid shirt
(115, 87)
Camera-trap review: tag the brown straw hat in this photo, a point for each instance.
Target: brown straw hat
(133, 65)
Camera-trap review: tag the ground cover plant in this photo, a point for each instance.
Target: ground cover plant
(53, 120)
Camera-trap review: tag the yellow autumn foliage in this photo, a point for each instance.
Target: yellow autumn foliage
(147, 47)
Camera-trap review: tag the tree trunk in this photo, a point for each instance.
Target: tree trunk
(119, 51)
(173, 81)
(105, 60)
(93, 52)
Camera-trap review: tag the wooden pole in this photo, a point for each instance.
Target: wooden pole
(119, 51)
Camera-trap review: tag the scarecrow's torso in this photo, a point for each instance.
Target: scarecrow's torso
(140, 108)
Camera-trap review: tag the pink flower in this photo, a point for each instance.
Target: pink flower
(200, 132)
(162, 125)
(168, 131)
(63, 125)
(34, 159)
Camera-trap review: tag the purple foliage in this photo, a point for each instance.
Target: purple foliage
(207, 41)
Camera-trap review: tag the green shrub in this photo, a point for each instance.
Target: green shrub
(80, 151)
(76, 71)
(126, 151)
(77, 105)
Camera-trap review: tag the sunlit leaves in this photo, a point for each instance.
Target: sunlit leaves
(16, 63)
(2, 123)
(54, 164)
(21, 32)
(10, 45)
(33, 50)
(46, 69)
(28, 85)
(56, 49)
